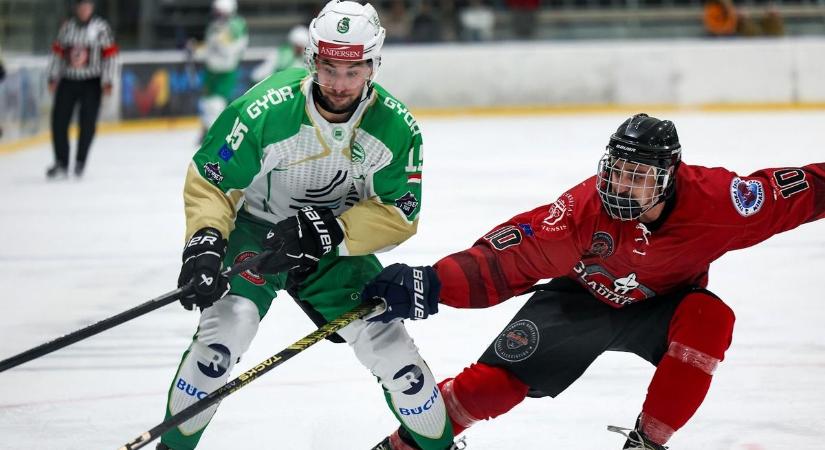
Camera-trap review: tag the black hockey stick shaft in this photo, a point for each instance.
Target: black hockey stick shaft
(105, 324)
(252, 374)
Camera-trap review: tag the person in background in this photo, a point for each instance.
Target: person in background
(289, 55)
(426, 25)
(2, 77)
(720, 18)
(81, 69)
(523, 17)
(477, 21)
(225, 42)
(397, 22)
(772, 22)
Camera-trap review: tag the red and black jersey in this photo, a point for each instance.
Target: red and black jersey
(713, 212)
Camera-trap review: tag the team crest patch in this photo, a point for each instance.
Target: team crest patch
(407, 203)
(213, 172)
(748, 196)
(249, 275)
(518, 341)
(357, 153)
(343, 25)
(602, 244)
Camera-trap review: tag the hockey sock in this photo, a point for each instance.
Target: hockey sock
(700, 333)
(413, 396)
(480, 392)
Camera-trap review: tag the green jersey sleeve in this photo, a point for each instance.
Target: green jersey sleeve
(399, 182)
(230, 155)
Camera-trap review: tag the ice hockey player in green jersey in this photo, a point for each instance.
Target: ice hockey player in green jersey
(225, 41)
(322, 166)
(288, 55)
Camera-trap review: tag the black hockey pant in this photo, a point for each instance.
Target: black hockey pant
(69, 93)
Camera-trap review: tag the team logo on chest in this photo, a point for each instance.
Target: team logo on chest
(357, 152)
(601, 245)
(748, 196)
(615, 291)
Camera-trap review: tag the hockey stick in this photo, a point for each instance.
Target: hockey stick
(250, 375)
(118, 319)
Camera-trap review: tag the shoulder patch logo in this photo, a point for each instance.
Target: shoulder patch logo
(748, 196)
(407, 203)
(213, 172)
(561, 208)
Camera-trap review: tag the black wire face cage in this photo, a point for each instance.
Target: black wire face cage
(624, 186)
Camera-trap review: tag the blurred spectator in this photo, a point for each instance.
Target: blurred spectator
(426, 27)
(81, 69)
(477, 21)
(450, 24)
(2, 77)
(720, 17)
(523, 17)
(772, 23)
(397, 22)
(288, 55)
(746, 26)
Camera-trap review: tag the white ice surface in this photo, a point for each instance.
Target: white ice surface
(72, 253)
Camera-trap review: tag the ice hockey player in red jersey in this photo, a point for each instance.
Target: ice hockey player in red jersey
(628, 251)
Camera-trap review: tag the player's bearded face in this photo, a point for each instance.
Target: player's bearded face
(634, 181)
(629, 189)
(342, 82)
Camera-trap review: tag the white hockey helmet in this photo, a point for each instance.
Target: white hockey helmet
(346, 30)
(225, 7)
(298, 36)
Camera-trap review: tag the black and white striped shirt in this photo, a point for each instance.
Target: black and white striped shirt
(83, 51)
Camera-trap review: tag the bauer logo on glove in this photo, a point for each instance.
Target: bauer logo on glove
(407, 292)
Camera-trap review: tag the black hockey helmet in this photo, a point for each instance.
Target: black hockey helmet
(645, 140)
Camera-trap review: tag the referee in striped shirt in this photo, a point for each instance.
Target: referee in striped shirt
(80, 71)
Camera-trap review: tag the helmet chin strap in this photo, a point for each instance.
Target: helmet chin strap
(319, 97)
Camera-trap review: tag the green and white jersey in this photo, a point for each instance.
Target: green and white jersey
(226, 40)
(271, 153)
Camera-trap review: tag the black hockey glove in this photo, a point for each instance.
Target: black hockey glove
(202, 261)
(297, 243)
(408, 292)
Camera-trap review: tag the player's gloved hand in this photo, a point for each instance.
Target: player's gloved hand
(297, 243)
(408, 292)
(202, 261)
